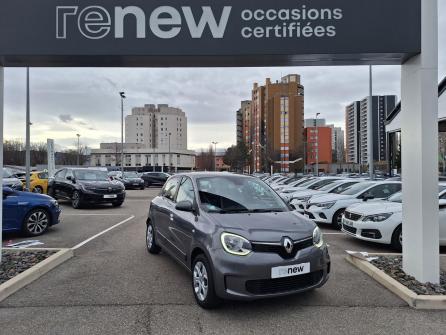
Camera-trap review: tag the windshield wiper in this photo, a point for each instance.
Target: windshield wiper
(233, 210)
(266, 210)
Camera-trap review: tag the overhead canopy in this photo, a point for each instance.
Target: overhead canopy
(185, 33)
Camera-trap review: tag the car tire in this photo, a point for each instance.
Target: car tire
(203, 286)
(142, 188)
(337, 219)
(76, 200)
(51, 193)
(397, 238)
(147, 184)
(38, 189)
(151, 245)
(117, 204)
(36, 222)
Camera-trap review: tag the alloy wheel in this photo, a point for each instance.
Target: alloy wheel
(200, 281)
(37, 222)
(76, 199)
(400, 238)
(149, 236)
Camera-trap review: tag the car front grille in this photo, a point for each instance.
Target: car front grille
(349, 229)
(352, 216)
(283, 285)
(280, 250)
(106, 190)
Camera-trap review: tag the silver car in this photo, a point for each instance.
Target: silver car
(238, 238)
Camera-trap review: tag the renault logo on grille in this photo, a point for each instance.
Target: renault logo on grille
(109, 189)
(287, 244)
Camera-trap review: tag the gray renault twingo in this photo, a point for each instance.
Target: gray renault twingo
(238, 238)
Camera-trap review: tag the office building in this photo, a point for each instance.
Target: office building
(337, 144)
(352, 129)
(277, 116)
(314, 122)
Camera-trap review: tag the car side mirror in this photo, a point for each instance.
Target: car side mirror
(367, 196)
(71, 178)
(185, 206)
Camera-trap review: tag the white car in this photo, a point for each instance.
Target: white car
(299, 199)
(329, 208)
(312, 184)
(381, 221)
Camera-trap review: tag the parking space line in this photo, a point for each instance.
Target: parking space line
(90, 214)
(102, 233)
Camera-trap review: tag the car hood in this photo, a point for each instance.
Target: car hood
(10, 181)
(305, 193)
(331, 197)
(98, 184)
(376, 207)
(132, 180)
(33, 196)
(265, 227)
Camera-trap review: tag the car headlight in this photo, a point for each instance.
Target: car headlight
(303, 199)
(235, 244)
(318, 240)
(325, 205)
(288, 191)
(377, 217)
(54, 203)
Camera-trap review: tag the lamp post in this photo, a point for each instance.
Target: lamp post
(170, 158)
(122, 94)
(317, 146)
(78, 149)
(28, 134)
(215, 155)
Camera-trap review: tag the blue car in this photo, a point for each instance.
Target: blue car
(29, 213)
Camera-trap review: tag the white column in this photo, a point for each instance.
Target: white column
(1, 153)
(419, 128)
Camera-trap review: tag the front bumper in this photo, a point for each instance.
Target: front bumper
(367, 231)
(249, 278)
(319, 214)
(95, 198)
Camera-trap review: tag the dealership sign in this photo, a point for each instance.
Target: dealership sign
(202, 33)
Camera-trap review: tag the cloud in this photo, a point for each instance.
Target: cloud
(67, 118)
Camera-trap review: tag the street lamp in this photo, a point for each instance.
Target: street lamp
(317, 146)
(122, 95)
(78, 149)
(215, 155)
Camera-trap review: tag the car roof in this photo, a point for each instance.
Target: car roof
(195, 175)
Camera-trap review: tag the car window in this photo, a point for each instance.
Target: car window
(384, 190)
(355, 189)
(443, 196)
(60, 174)
(343, 187)
(170, 188)
(69, 174)
(186, 191)
(43, 175)
(90, 174)
(321, 183)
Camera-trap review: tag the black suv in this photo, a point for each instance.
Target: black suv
(154, 178)
(86, 186)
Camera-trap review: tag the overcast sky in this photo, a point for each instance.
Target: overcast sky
(65, 102)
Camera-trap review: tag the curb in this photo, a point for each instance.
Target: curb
(434, 302)
(35, 272)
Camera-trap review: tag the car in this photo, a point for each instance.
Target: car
(299, 199)
(130, 180)
(38, 182)
(381, 221)
(292, 185)
(29, 213)
(311, 184)
(9, 180)
(86, 186)
(329, 208)
(237, 237)
(154, 178)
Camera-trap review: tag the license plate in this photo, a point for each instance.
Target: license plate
(347, 223)
(110, 196)
(135, 184)
(290, 270)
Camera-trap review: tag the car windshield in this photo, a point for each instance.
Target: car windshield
(130, 175)
(320, 184)
(397, 197)
(91, 175)
(357, 188)
(305, 183)
(289, 181)
(330, 186)
(236, 194)
(7, 173)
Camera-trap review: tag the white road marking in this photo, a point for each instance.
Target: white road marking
(90, 214)
(102, 233)
(333, 233)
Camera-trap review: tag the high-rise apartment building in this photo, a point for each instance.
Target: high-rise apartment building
(161, 127)
(277, 114)
(243, 122)
(352, 130)
(337, 136)
(356, 128)
(319, 145)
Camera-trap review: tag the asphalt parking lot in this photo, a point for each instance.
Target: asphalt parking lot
(113, 286)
